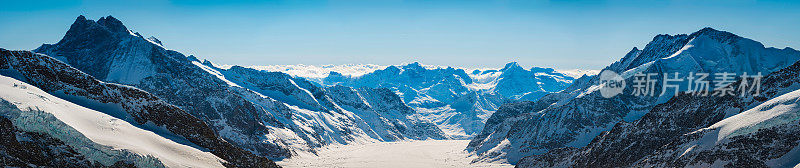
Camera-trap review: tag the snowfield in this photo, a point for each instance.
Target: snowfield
(408, 154)
(778, 111)
(104, 129)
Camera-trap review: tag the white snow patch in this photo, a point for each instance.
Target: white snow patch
(577, 73)
(104, 129)
(782, 109)
(214, 72)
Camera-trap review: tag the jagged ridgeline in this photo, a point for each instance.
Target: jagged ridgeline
(270, 114)
(114, 115)
(690, 130)
(458, 100)
(569, 128)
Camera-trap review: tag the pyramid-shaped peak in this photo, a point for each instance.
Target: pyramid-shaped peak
(80, 18)
(512, 66)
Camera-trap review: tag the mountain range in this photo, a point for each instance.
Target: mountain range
(552, 128)
(106, 96)
(240, 116)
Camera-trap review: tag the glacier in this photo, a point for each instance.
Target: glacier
(104, 129)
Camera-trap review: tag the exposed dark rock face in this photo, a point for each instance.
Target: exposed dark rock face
(139, 106)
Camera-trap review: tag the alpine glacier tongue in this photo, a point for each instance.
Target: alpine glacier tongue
(104, 129)
(575, 116)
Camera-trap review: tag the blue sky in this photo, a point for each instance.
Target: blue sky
(466, 33)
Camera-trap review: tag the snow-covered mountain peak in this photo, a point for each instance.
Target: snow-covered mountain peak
(585, 114)
(512, 66)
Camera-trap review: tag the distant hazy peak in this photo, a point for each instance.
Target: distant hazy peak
(355, 70)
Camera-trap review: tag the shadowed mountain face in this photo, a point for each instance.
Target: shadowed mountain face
(577, 115)
(685, 131)
(268, 113)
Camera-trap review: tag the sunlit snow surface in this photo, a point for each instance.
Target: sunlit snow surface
(577, 73)
(408, 154)
(778, 111)
(105, 129)
(312, 71)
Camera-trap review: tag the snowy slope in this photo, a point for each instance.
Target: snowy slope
(767, 135)
(778, 111)
(104, 129)
(581, 113)
(666, 135)
(577, 73)
(347, 114)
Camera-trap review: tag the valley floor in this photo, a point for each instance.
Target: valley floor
(433, 153)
